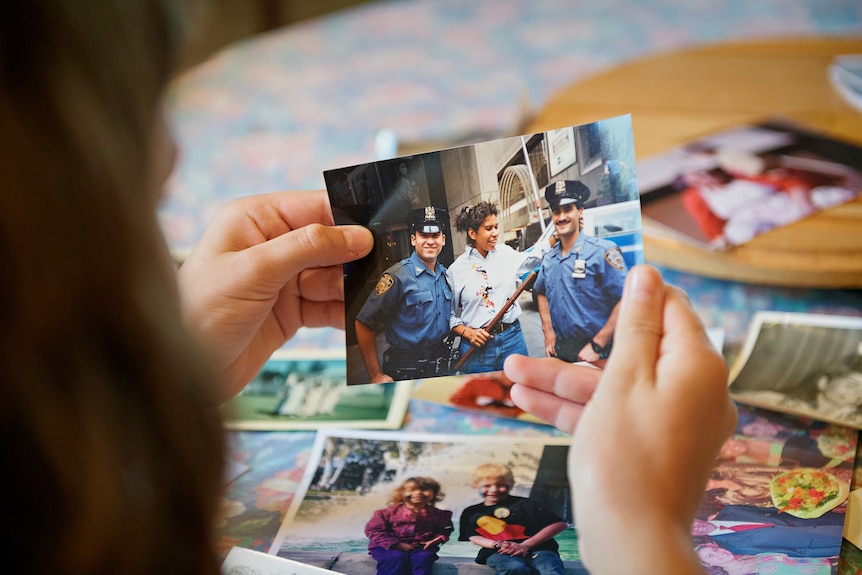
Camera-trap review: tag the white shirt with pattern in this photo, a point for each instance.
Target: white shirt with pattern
(481, 285)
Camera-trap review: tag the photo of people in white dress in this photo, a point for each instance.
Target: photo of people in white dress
(725, 188)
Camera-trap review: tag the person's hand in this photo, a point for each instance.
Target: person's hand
(550, 343)
(588, 354)
(380, 378)
(477, 336)
(439, 539)
(647, 429)
(513, 548)
(266, 266)
(551, 389)
(406, 547)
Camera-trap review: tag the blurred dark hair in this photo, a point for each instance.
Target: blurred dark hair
(711, 503)
(111, 447)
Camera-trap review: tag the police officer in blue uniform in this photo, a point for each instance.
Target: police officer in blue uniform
(410, 304)
(580, 282)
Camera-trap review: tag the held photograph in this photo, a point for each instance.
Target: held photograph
(518, 245)
(806, 364)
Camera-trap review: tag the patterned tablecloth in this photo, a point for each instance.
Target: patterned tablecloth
(275, 111)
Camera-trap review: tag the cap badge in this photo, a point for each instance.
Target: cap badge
(560, 187)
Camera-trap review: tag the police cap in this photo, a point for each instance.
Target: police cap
(429, 220)
(565, 192)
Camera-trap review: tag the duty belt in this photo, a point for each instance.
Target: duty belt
(414, 364)
(501, 327)
(419, 353)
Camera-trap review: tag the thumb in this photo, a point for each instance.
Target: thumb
(312, 246)
(639, 328)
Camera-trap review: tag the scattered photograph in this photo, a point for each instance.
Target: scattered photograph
(477, 247)
(726, 188)
(358, 484)
(241, 561)
(777, 499)
(295, 391)
(807, 364)
(480, 393)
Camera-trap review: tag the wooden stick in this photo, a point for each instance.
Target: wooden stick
(497, 318)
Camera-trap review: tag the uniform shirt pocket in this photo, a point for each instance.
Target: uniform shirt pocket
(416, 303)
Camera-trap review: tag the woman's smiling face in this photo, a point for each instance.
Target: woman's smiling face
(485, 238)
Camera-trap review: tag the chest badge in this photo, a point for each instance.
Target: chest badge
(501, 512)
(580, 269)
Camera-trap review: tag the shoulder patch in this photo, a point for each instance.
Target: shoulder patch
(383, 284)
(615, 257)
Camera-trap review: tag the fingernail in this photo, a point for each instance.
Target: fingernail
(357, 239)
(641, 284)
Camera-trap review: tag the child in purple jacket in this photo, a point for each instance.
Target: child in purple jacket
(404, 537)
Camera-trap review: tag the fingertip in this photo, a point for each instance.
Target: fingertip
(358, 240)
(643, 283)
(515, 393)
(510, 367)
(639, 328)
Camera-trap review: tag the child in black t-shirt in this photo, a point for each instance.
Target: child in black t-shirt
(513, 532)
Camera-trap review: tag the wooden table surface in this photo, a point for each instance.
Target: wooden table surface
(680, 96)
